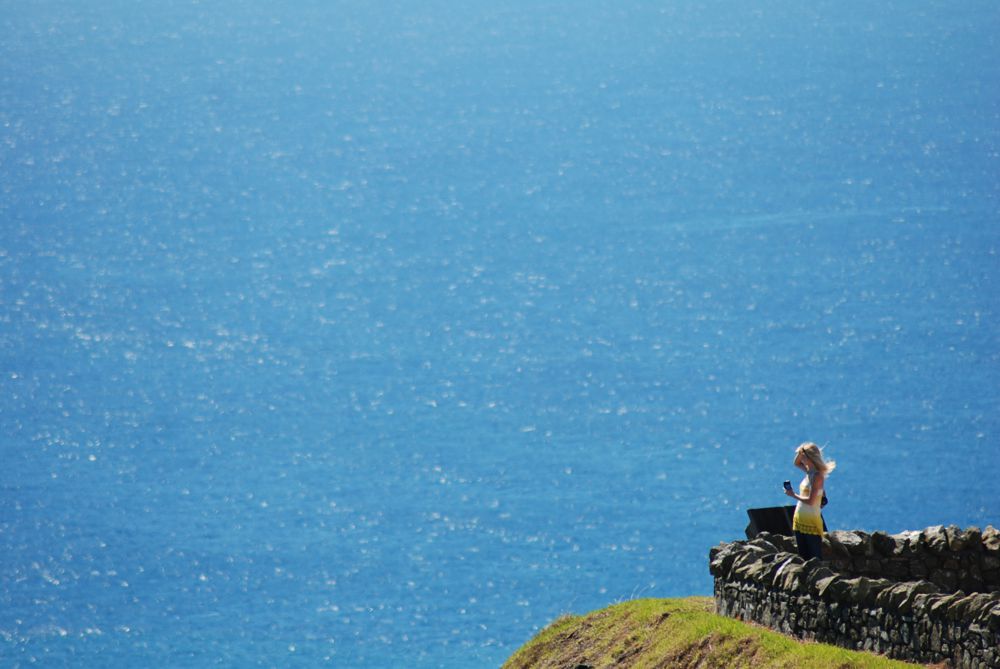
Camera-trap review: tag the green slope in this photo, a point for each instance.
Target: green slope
(675, 633)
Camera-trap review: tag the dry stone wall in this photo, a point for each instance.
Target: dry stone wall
(929, 596)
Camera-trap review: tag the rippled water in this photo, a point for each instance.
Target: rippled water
(380, 335)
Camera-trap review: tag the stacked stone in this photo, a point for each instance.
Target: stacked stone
(951, 558)
(764, 581)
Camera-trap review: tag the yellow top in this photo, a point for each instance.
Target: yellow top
(808, 518)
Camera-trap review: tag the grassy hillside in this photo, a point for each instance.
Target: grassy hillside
(675, 633)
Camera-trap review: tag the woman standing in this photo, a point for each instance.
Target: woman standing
(808, 520)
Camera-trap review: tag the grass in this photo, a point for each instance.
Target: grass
(677, 633)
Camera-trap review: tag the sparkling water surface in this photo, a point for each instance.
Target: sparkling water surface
(381, 334)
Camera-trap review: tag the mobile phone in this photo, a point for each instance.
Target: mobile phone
(788, 485)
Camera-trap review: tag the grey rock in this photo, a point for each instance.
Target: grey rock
(900, 597)
(935, 539)
(993, 619)
(747, 556)
(763, 540)
(946, 578)
(840, 564)
(958, 539)
(831, 587)
(790, 578)
(982, 605)
(813, 576)
(750, 570)
(865, 540)
(722, 558)
(921, 601)
(896, 568)
(750, 549)
(784, 544)
(906, 542)
(970, 582)
(857, 589)
(844, 544)
(967, 608)
(760, 570)
(991, 539)
(881, 544)
(784, 562)
(941, 605)
(936, 638)
(975, 537)
(875, 587)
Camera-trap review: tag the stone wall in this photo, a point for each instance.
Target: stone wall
(927, 596)
(951, 558)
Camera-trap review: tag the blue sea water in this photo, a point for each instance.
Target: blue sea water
(381, 334)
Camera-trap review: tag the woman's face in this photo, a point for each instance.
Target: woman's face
(800, 459)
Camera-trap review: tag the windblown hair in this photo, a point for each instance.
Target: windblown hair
(815, 455)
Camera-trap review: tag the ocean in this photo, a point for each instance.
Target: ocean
(381, 334)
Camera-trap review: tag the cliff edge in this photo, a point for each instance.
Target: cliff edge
(676, 634)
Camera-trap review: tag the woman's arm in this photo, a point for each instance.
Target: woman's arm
(788, 491)
(815, 493)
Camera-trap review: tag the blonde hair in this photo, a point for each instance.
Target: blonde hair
(815, 455)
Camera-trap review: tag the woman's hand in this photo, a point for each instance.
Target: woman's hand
(791, 493)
